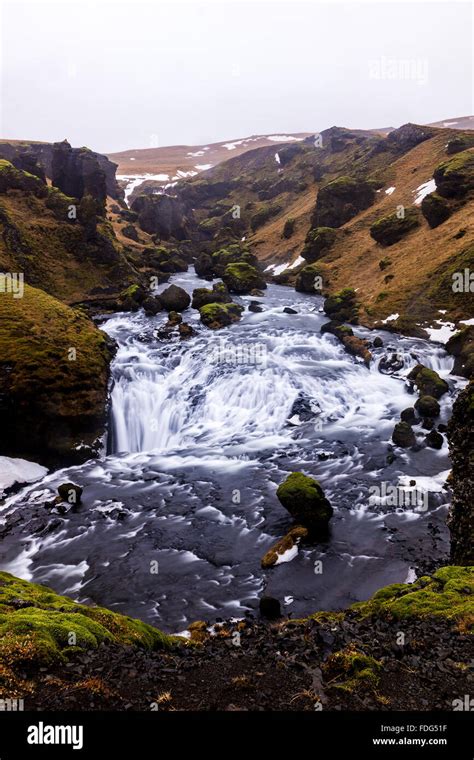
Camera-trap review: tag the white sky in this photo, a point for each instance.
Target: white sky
(118, 75)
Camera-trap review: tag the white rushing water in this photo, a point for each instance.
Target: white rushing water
(202, 432)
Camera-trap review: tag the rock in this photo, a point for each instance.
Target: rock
(203, 265)
(408, 415)
(175, 298)
(461, 445)
(132, 298)
(427, 406)
(292, 538)
(434, 440)
(129, 231)
(288, 310)
(318, 241)
(233, 254)
(435, 210)
(174, 319)
(242, 278)
(403, 435)
(391, 229)
(407, 137)
(198, 631)
(342, 306)
(217, 315)
(378, 342)
(12, 178)
(455, 177)
(152, 305)
(357, 347)
(390, 364)
(269, 607)
(428, 382)
(304, 499)
(203, 296)
(309, 280)
(255, 307)
(461, 346)
(162, 215)
(185, 331)
(306, 408)
(70, 492)
(341, 200)
(257, 292)
(78, 172)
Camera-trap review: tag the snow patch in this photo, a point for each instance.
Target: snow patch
(284, 138)
(19, 471)
(391, 318)
(288, 555)
(389, 190)
(203, 167)
(423, 190)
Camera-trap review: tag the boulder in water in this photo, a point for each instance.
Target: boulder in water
(403, 435)
(427, 406)
(269, 608)
(217, 315)
(434, 440)
(175, 298)
(203, 266)
(428, 382)
(70, 492)
(285, 544)
(304, 499)
(203, 296)
(242, 278)
(408, 415)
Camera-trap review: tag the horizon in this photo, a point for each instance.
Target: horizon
(151, 78)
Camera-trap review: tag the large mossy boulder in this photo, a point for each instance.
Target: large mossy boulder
(428, 382)
(455, 178)
(304, 499)
(164, 260)
(341, 200)
(427, 406)
(309, 280)
(403, 435)
(318, 241)
(217, 315)
(459, 143)
(232, 254)
(242, 278)
(435, 210)
(342, 306)
(12, 178)
(203, 296)
(36, 626)
(391, 229)
(461, 346)
(54, 369)
(175, 298)
(461, 446)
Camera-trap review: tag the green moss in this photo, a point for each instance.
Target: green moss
(342, 306)
(428, 382)
(391, 229)
(217, 315)
(263, 215)
(317, 242)
(352, 670)
(39, 631)
(242, 278)
(448, 594)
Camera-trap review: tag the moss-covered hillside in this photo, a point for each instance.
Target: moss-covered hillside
(53, 376)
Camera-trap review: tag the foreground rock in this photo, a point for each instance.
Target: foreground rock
(217, 315)
(461, 446)
(304, 499)
(204, 296)
(242, 278)
(284, 546)
(428, 382)
(461, 346)
(53, 379)
(403, 435)
(353, 345)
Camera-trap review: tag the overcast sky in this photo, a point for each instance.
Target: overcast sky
(118, 75)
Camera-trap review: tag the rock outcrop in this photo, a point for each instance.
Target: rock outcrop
(461, 449)
(341, 200)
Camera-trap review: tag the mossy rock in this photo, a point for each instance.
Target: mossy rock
(403, 435)
(209, 227)
(304, 499)
(232, 254)
(351, 670)
(341, 200)
(203, 296)
(203, 265)
(53, 376)
(448, 593)
(217, 315)
(242, 278)
(12, 178)
(427, 406)
(428, 382)
(263, 215)
(342, 306)
(459, 143)
(435, 210)
(288, 228)
(391, 229)
(461, 346)
(39, 627)
(455, 178)
(318, 241)
(174, 298)
(308, 280)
